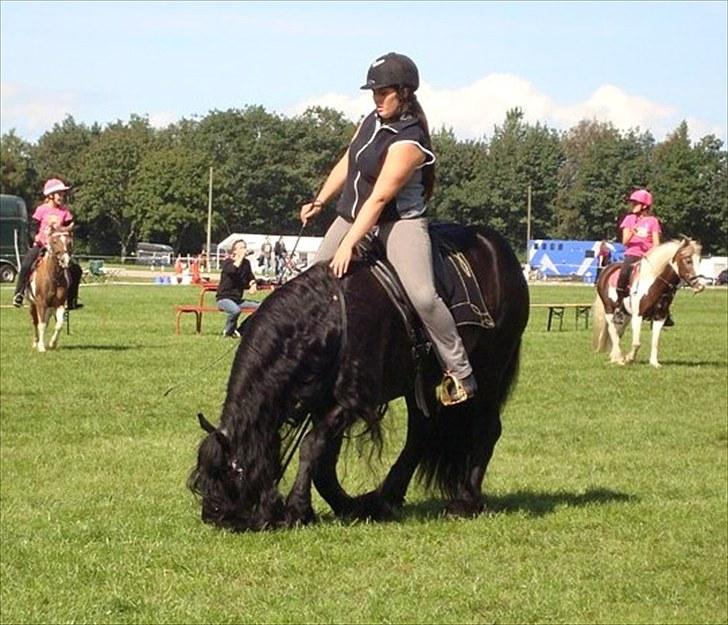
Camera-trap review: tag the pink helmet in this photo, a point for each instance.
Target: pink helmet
(54, 185)
(641, 196)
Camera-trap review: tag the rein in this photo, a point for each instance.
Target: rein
(302, 428)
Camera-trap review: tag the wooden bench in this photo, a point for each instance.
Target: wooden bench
(200, 308)
(556, 311)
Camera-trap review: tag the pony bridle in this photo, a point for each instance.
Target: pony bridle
(690, 277)
(62, 255)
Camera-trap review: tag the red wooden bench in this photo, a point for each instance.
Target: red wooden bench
(200, 308)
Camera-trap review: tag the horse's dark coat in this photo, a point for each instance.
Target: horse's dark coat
(304, 352)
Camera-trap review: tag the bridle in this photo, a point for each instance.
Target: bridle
(62, 254)
(681, 255)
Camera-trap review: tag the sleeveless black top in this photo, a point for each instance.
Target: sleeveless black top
(366, 157)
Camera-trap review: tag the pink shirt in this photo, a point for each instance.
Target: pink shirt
(45, 215)
(644, 227)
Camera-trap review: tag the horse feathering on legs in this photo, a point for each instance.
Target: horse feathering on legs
(47, 289)
(653, 286)
(335, 352)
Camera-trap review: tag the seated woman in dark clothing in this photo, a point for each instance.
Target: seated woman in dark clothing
(236, 276)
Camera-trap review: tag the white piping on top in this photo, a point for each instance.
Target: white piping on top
(431, 158)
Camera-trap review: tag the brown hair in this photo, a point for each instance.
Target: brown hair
(410, 106)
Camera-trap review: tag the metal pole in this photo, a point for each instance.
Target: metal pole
(209, 224)
(528, 223)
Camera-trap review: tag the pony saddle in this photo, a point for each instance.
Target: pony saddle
(455, 280)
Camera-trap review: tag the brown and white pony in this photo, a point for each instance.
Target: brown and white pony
(47, 290)
(653, 284)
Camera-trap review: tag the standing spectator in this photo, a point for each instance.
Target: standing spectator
(280, 251)
(195, 270)
(236, 276)
(266, 251)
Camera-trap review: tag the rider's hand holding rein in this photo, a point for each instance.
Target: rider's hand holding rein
(333, 185)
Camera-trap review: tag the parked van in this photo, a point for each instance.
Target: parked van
(13, 235)
(154, 254)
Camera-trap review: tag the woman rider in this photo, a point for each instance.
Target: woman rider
(384, 179)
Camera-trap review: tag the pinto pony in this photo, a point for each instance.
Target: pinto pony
(47, 289)
(653, 284)
(333, 353)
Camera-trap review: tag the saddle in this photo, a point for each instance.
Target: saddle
(455, 283)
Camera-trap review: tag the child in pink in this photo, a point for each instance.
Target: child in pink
(52, 212)
(640, 233)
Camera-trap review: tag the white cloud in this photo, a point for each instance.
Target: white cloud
(33, 111)
(162, 119)
(474, 110)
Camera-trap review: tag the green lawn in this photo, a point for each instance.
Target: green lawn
(608, 490)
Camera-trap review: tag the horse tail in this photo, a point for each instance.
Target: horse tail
(600, 336)
(455, 434)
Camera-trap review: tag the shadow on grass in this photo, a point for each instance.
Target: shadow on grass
(103, 348)
(533, 504)
(717, 364)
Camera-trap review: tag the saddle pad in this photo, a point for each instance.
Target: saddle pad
(454, 277)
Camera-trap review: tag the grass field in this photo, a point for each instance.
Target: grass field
(608, 490)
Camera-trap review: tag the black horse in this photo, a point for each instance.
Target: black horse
(334, 352)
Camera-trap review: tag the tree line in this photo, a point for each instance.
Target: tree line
(133, 182)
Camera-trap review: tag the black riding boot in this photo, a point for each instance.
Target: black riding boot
(21, 282)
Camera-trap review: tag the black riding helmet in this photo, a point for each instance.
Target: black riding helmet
(392, 69)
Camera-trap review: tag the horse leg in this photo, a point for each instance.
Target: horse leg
(484, 415)
(379, 504)
(615, 355)
(313, 447)
(636, 328)
(656, 330)
(369, 506)
(43, 317)
(57, 327)
(394, 487)
(35, 319)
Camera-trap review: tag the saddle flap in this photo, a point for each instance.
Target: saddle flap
(455, 279)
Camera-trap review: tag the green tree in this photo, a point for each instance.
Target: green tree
(59, 152)
(600, 169)
(17, 170)
(107, 175)
(690, 188)
(522, 155)
(169, 193)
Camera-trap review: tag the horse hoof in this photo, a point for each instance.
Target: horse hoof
(297, 518)
(372, 507)
(656, 364)
(464, 509)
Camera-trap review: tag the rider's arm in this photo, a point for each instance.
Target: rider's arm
(333, 185)
(401, 162)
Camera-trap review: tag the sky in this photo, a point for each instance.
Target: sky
(638, 65)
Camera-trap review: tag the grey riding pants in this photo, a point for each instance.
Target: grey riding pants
(408, 248)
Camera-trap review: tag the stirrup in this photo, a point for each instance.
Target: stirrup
(451, 391)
